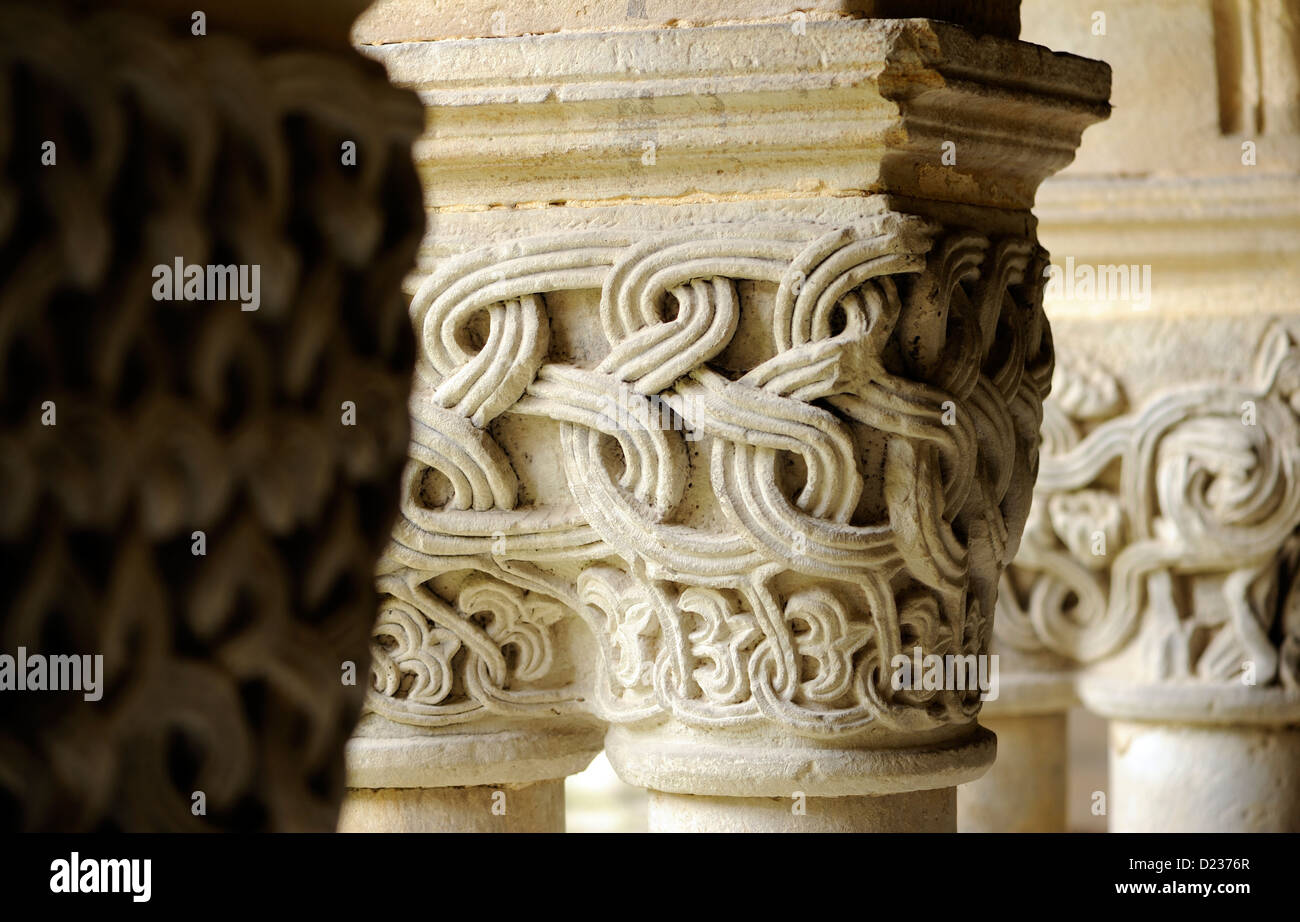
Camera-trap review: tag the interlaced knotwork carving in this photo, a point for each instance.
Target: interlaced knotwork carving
(798, 452)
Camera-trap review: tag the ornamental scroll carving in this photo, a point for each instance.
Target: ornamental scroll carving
(745, 465)
(1167, 533)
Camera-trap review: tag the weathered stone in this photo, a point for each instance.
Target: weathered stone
(1158, 568)
(727, 395)
(389, 21)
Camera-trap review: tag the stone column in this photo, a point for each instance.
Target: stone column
(1026, 789)
(729, 382)
(205, 219)
(1158, 570)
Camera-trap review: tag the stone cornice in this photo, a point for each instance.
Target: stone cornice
(1198, 236)
(595, 118)
(424, 20)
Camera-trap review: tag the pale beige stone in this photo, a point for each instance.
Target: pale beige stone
(753, 112)
(425, 20)
(1186, 93)
(1167, 777)
(535, 807)
(673, 758)
(915, 811)
(695, 307)
(383, 754)
(1157, 574)
(1025, 789)
(1159, 563)
(1163, 182)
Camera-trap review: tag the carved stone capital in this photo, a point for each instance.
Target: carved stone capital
(746, 499)
(1160, 557)
(728, 392)
(1155, 574)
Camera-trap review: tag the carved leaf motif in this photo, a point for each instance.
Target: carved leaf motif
(830, 642)
(1209, 494)
(411, 657)
(1084, 389)
(1090, 523)
(517, 621)
(723, 642)
(630, 624)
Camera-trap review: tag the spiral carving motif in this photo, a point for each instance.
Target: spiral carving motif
(1208, 494)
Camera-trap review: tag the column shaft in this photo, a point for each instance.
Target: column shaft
(1209, 778)
(507, 808)
(913, 811)
(1025, 789)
